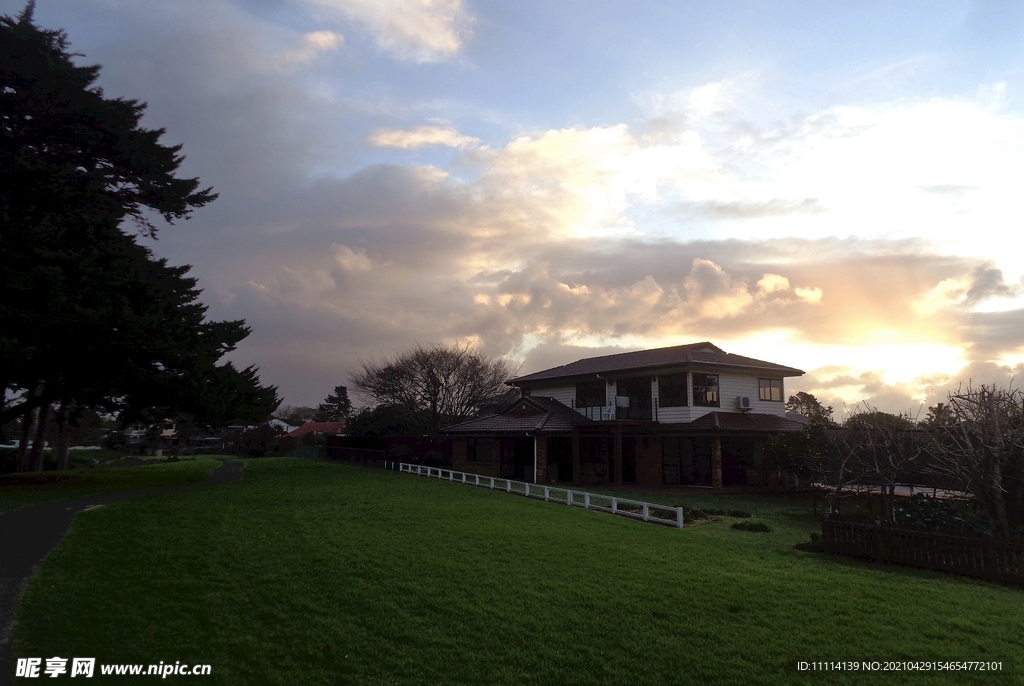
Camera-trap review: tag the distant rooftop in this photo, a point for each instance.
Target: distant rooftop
(318, 427)
(649, 360)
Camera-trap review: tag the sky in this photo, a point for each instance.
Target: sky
(832, 186)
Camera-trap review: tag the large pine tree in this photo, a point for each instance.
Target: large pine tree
(90, 317)
(335, 408)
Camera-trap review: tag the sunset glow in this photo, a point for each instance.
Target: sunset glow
(831, 187)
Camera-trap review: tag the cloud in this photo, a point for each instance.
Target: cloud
(314, 45)
(564, 242)
(753, 210)
(539, 256)
(416, 30)
(949, 189)
(421, 136)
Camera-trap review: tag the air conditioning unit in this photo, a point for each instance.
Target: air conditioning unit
(743, 403)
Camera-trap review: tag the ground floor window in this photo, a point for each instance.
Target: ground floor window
(685, 460)
(481, 449)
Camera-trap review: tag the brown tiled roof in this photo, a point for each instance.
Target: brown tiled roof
(318, 427)
(744, 422)
(676, 356)
(546, 415)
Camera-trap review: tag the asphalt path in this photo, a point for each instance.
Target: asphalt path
(28, 534)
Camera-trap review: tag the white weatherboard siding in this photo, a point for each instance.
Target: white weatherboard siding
(563, 394)
(730, 386)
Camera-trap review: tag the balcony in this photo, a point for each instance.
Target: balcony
(624, 408)
(597, 414)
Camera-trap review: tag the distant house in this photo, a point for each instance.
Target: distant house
(324, 428)
(281, 426)
(686, 415)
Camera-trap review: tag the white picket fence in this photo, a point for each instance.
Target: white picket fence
(648, 512)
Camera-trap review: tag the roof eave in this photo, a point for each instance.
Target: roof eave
(784, 371)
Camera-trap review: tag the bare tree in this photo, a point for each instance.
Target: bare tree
(448, 383)
(890, 446)
(872, 448)
(839, 467)
(980, 446)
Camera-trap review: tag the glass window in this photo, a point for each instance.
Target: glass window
(705, 390)
(769, 389)
(480, 449)
(590, 394)
(672, 390)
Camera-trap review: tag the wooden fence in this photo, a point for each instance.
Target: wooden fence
(984, 557)
(648, 512)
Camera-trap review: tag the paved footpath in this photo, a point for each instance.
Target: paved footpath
(28, 534)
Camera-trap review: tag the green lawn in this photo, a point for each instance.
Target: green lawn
(21, 490)
(316, 573)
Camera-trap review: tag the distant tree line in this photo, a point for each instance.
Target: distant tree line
(92, 320)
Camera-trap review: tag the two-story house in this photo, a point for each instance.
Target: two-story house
(686, 415)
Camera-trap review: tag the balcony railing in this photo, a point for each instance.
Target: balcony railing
(597, 414)
(609, 413)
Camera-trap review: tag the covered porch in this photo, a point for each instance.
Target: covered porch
(542, 441)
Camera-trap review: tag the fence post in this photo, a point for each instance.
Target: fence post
(645, 512)
(527, 489)
(508, 486)
(451, 475)
(463, 477)
(615, 505)
(568, 498)
(586, 500)
(477, 477)
(679, 517)
(492, 482)
(547, 493)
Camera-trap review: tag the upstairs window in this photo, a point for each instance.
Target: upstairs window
(705, 390)
(672, 390)
(590, 394)
(769, 389)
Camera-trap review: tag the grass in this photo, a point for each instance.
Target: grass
(22, 490)
(316, 573)
(756, 527)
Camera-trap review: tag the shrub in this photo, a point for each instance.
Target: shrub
(933, 514)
